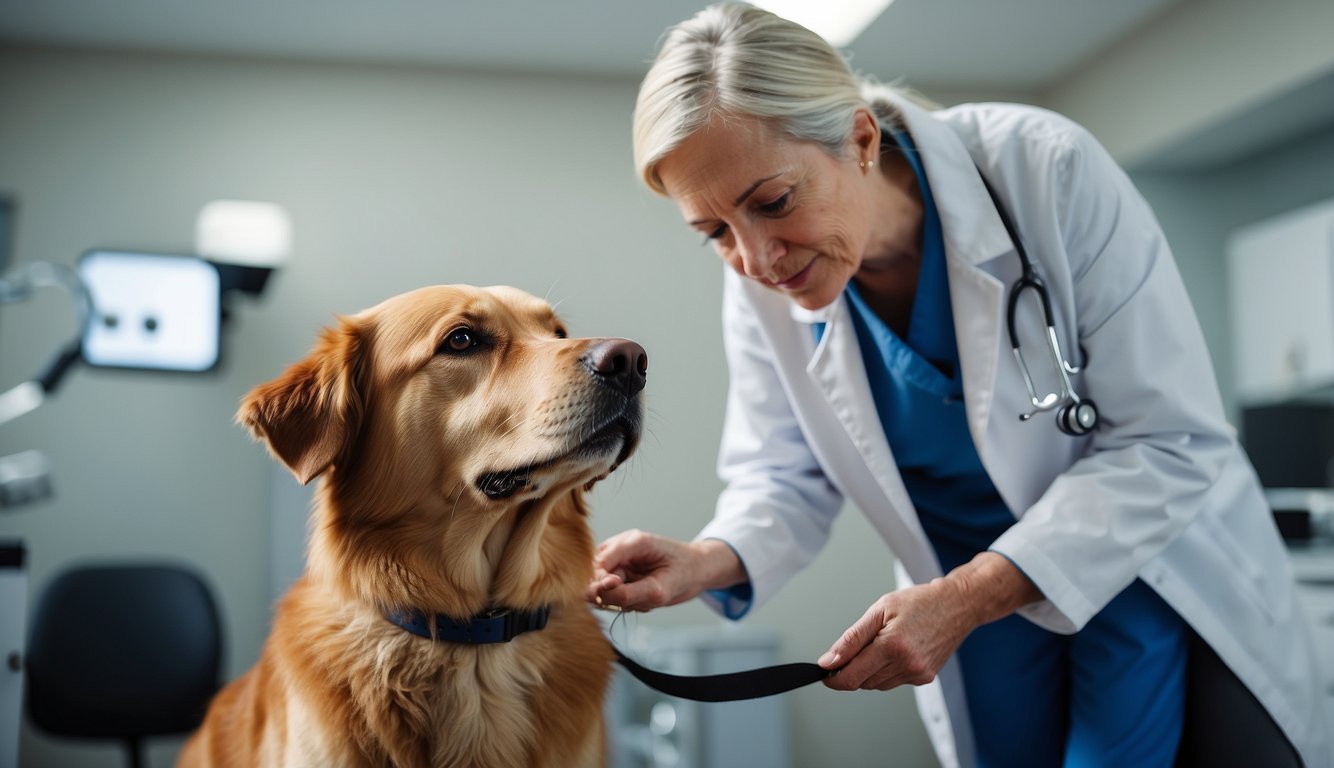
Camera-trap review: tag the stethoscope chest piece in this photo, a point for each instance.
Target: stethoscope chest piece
(1077, 418)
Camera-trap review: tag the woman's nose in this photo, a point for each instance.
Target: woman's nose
(758, 254)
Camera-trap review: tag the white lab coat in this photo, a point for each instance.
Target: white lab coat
(1161, 491)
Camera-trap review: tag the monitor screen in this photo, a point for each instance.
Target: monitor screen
(152, 311)
(1291, 444)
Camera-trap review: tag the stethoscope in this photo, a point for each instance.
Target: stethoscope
(1075, 415)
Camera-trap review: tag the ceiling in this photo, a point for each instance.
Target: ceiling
(950, 50)
(1011, 46)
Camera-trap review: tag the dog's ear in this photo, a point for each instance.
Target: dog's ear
(310, 414)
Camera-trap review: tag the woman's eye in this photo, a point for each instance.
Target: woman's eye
(717, 233)
(459, 340)
(777, 206)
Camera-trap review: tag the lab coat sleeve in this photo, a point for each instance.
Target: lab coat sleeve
(1163, 441)
(777, 507)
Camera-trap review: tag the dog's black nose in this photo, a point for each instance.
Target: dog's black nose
(620, 363)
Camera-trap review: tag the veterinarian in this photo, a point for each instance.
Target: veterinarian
(1063, 547)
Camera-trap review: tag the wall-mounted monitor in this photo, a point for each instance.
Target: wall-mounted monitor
(152, 311)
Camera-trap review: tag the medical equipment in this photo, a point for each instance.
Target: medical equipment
(26, 477)
(145, 311)
(1075, 416)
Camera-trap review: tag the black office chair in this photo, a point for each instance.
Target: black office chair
(123, 652)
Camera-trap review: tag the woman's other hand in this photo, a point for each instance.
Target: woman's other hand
(907, 636)
(640, 571)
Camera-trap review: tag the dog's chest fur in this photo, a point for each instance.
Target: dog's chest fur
(413, 702)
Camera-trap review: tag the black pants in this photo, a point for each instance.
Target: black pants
(1225, 724)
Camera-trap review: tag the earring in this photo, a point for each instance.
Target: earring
(866, 164)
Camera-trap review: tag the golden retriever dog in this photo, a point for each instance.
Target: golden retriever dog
(457, 430)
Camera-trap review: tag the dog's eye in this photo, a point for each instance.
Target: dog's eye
(459, 340)
(561, 334)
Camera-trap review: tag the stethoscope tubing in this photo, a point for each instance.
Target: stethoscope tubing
(1082, 417)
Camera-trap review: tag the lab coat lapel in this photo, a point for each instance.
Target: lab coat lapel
(1014, 453)
(981, 262)
(976, 303)
(838, 371)
(992, 384)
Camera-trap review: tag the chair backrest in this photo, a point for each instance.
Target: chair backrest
(123, 651)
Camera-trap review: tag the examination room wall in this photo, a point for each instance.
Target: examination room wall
(395, 178)
(1198, 209)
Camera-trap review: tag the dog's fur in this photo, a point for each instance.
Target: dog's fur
(407, 426)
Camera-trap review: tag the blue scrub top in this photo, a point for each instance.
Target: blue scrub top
(918, 391)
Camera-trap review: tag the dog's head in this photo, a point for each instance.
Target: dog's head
(442, 417)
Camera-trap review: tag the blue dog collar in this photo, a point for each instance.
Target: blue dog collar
(498, 625)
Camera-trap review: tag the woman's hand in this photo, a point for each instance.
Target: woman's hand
(640, 571)
(908, 635)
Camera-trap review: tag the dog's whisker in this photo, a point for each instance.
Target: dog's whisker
(497, 450)
(512, 429)
(547, 296)
(455, 508)
(509, 418)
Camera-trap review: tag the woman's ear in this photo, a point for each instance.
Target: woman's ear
(310, 414)
(865, 139)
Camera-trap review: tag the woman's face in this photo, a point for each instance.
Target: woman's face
(784, 212)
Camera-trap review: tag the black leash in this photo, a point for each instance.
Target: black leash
(500, 625)
(732, 686)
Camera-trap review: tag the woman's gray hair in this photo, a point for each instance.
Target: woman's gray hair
(733, 59)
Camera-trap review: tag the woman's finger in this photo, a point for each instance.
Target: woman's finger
(888, 677)
(601, 583)
(642, 595)
(858, 671)
(854, 639)
(612, 543)
(626, 548)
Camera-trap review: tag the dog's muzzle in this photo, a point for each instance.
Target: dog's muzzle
(620, 368)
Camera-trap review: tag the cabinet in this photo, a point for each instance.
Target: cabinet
(648, 729)
(1281, 293)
